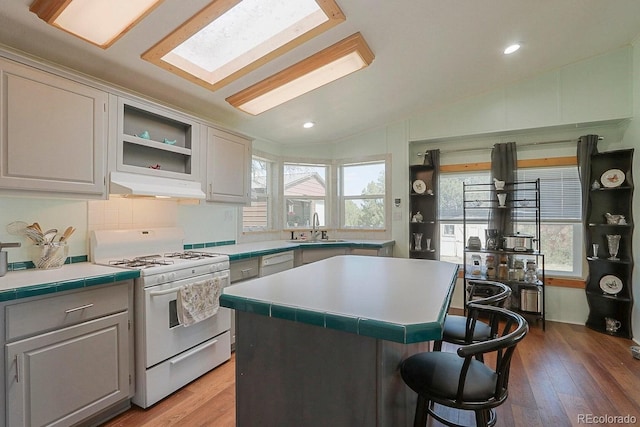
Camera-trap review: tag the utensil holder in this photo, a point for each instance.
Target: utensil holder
(49, 255)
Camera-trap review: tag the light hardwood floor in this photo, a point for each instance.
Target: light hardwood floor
(557, 376)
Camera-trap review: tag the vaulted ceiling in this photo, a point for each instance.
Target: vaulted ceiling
(428, 53)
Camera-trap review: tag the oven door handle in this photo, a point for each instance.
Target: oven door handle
(165, 292)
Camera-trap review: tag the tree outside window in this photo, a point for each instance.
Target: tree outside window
(363, 189)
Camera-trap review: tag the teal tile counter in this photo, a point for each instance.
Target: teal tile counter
(394, 299)
(324, 340)
(32, 282)
(256, 249)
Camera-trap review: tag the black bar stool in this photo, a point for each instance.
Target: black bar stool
(462, 381)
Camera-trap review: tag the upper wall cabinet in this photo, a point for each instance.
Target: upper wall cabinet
(53, 133)
(156, 141)
(228, 167)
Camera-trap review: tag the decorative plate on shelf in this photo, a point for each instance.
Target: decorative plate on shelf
(612, 178)
(419, 186)
(610, 284)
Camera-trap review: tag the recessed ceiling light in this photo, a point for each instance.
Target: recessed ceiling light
(308, 125)
(510, 49)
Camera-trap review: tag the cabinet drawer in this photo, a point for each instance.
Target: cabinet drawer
(55, 312)
(245, 269)
(313, 255)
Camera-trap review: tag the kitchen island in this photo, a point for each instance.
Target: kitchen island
(320, 344)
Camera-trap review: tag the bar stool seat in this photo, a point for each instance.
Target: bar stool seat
(462, 330)
(462, 381)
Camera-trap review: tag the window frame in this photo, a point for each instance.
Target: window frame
(272, 193)
(343, 198)
(326, 198)
(577, 229)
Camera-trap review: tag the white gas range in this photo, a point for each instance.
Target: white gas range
(168, 354)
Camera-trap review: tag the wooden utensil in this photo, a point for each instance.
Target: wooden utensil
(67, 233)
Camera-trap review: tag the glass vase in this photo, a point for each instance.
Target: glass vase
(613, 241)
(417, 241)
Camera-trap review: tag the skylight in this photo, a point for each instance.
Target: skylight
(229, 38)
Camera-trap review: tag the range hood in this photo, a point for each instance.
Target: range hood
(144, 185)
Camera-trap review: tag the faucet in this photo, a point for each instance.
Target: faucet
(315, 223)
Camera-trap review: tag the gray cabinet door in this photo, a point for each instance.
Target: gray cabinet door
(65, 376)
(54, 132)
(228, 167)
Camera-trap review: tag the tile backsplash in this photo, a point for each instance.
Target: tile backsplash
(127, 213)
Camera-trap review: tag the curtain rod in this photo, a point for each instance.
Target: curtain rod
(563, 141)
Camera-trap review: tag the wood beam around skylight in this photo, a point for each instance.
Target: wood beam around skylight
(343, 58)
(202, 49)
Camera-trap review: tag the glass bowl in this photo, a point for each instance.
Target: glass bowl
(49, 255)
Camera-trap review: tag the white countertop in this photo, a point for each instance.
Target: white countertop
(406, 293)
(69, 276)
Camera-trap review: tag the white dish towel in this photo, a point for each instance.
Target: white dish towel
(198, 301)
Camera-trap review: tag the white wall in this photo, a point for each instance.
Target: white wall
(632, 139)
(594, 90)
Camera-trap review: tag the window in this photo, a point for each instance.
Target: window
(256, 217)
(305, 193)
(363, 188)
(451, 213)
(560, 214)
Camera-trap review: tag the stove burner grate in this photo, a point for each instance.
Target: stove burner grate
(190, 255)
(142, 262)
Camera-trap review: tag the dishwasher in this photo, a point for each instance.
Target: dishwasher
(270, 264)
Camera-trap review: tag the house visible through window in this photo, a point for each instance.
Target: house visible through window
(363, 195)
(305, 193)
(257, 216)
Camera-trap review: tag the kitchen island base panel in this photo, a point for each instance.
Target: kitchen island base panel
(293, 374)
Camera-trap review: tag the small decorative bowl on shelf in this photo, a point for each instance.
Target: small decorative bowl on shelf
(169, 141)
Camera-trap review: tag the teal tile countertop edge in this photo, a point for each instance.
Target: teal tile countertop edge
(26, 265)
(65, 285)
(191, 246)
(262, 252)
(404, 334)
(290, 246)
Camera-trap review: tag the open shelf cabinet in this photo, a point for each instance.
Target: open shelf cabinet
(423, 204)
(609, 213)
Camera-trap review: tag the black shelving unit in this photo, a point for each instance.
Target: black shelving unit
(522, 205)
(424, 201)
(609, 289)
